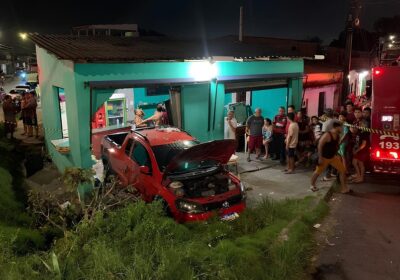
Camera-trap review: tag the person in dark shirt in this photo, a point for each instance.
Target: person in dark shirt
(280, 123)
(328, 147)
(305, 141)
(359, 120)
(254, 127)
(291, 109)
(10, 112)
(350, 118)
(367, 116)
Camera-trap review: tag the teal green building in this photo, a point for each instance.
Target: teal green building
(78, 75)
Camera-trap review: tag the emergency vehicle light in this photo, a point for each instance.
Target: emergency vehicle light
(385, 155)
(394, 155)
(377, 72)
(387, 118)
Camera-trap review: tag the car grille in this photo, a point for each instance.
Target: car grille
(223, 204)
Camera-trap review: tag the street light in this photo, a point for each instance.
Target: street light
(23, 35)
(391, 37)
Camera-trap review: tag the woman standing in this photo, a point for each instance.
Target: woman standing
(30, 111)
(267, 131)
(9, 115)
(23, 114)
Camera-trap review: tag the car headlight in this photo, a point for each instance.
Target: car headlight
(176, 188)
(189, 206)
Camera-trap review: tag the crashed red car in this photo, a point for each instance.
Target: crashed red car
(170, 165)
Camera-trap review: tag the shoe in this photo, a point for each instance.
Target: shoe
(327, 179)
(350, 191)
(248, 159)
(314, 189)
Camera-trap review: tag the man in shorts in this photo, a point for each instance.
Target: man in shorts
(254, 127)
(292, 139)
(328, 147)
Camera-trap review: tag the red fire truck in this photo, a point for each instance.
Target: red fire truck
(385, 148)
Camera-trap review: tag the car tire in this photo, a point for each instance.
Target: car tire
(107, 169)
(165, 205)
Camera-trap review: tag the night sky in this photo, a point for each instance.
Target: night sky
(186, 18)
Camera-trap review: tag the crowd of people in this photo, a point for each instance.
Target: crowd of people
(23, 108)
(334, 143)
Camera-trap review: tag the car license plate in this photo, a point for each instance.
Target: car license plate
(230, 217)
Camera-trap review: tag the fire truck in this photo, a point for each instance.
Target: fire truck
(385, 119)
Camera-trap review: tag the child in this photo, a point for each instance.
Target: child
(316, 127)
(267, 135)
(360, 154)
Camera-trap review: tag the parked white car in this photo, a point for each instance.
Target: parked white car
(17, 92)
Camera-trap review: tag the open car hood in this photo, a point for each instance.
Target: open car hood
(218, 150)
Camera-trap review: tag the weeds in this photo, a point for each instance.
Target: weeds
(137, 241)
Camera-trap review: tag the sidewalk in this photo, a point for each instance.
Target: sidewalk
(266, 179)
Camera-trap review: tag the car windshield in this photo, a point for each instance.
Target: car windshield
(165, 153)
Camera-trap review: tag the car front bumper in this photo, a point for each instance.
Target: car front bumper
(182, 217)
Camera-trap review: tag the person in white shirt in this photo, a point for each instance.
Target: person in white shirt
(230, 126)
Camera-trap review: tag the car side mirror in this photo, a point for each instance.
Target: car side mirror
(144, 170)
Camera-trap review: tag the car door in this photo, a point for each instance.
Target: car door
(124, 165)
(140, 158)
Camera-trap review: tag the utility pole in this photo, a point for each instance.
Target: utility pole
(352, 22)
(241, 24)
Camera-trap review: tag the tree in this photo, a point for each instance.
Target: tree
(363, 40)
(388, 25)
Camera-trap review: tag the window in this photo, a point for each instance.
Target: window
(63, 111)
(128, 147)
(140, 155)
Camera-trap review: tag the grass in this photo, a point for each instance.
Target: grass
(271, 241)
(139, 242)
(16, 236)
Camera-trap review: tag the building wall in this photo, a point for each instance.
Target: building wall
(140, 97)
(269, 101)
(197, 99)
(195, 110)
(55, 73)
(311, 98)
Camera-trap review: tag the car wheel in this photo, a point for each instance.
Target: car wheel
(165, 205)
(107, 169)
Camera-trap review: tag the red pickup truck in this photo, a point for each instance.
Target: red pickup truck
(170, 165)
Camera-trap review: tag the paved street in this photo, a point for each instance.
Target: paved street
(362, 239)
(266, 179)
